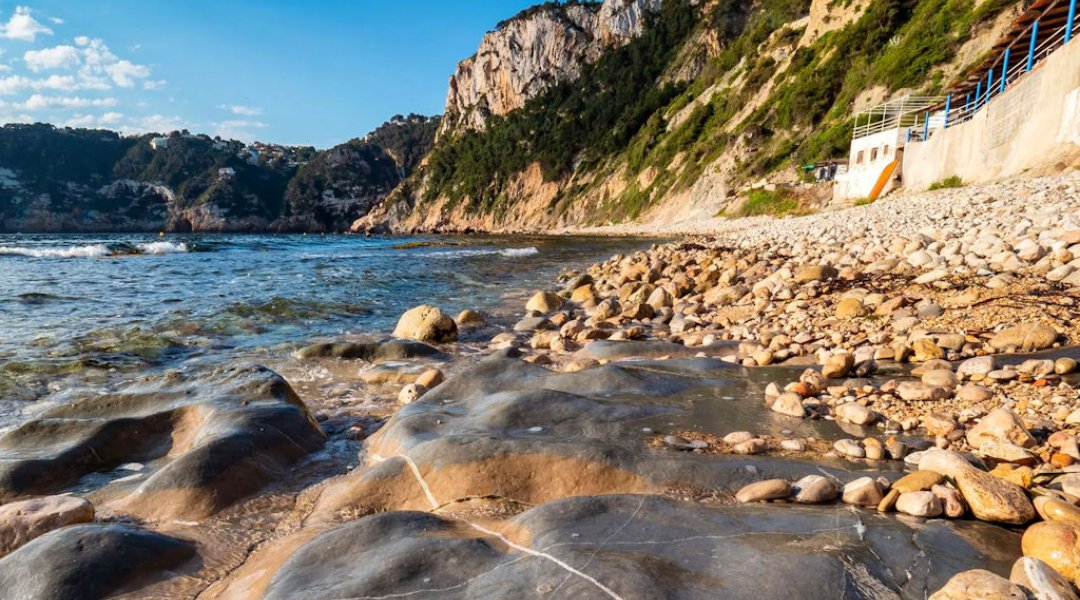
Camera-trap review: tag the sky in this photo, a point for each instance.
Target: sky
(297, 72)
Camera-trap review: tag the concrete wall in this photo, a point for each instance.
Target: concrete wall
(1032, 127)
(859, 181)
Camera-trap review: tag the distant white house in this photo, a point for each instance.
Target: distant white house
(878, 142)
(226, 172)
(159, 143)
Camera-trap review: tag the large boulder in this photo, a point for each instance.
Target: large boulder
(86, 562)
(426, 324)
(212, 438)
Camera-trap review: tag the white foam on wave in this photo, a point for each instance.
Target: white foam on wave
(89, 251)
(162, 247)
(507, 252)
(530, 251)
(93, 250)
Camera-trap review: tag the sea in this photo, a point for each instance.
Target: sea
(81, 312)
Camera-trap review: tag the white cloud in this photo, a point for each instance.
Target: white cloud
(5, 68)
(21, 26)
(124, 73)
(110, 118)
(58, 57)
(237, 129)
(88, 120)
(56, 20)
(154, 123)
(14, 84)
(66, 83)
(240, 109)
(81, 121)
(154, 85)
(39, 102)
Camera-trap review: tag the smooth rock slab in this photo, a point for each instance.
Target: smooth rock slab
(214, 438)
(23, 521)
(631, 546)
(370, 351)
(85, 562)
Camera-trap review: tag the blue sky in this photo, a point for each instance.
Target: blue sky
(300, 72)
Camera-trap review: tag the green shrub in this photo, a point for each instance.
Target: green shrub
(761, 202)
(948, 182)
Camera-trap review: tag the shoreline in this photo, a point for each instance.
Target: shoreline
(752, 383)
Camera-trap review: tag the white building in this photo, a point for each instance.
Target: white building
(159, 143)
(878, 141)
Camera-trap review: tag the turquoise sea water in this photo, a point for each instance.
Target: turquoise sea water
(88, 308)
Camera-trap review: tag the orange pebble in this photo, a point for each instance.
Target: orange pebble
(1040, 383)
(1061, 460)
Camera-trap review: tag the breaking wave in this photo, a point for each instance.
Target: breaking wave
(508, 252)
(96, 250)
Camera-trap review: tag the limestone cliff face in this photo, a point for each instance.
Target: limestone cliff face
(528, 53)
(691, 104)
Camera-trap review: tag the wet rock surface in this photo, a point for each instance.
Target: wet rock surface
(212, 440)
(634, 546)
(89, 561)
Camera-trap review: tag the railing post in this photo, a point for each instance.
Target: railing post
(978, 92)
(967, 103)
(926, 127)
(908, 136)
(1004, 69)
(1069, 20)
(1031, 46)
(989, 85)
(948, 105)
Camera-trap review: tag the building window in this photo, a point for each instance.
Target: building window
(858, 158)
(873, 154)
(885, 152)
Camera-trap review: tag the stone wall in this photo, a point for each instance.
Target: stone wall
(1031, 129)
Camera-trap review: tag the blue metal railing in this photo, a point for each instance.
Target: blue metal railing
(1011, 73)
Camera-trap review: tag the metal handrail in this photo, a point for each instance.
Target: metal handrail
(966, 110)
(894, 114)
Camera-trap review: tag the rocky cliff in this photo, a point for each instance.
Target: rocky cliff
(579, 115)
(541, 46)
(62, 179)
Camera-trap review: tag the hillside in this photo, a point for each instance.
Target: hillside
(63, 179)
(687, 104)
